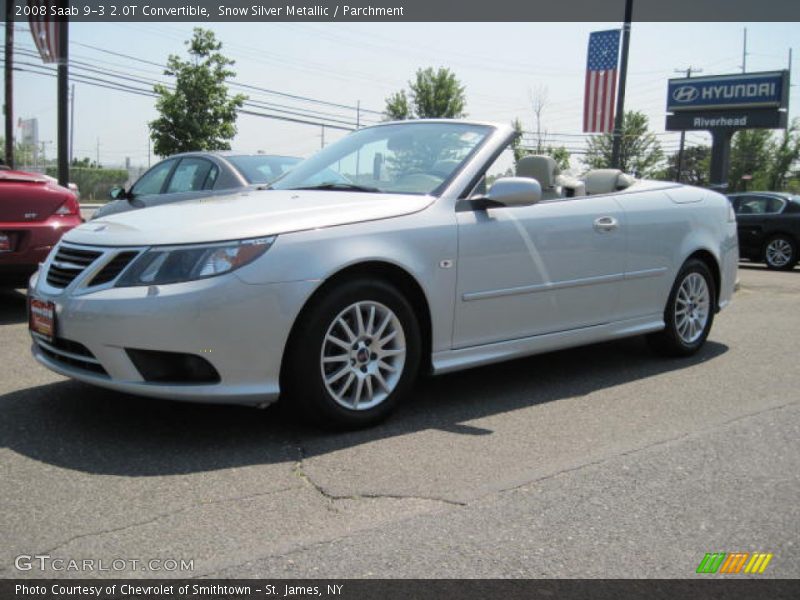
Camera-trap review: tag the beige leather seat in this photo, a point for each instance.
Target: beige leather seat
(606, 181)
(571, 187)
(543, 169)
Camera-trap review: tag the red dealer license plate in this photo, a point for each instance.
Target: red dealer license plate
(42, 317)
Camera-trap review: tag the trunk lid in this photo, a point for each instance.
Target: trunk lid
(27, 197)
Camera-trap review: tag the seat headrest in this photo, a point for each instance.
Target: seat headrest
(540, 168)
(571, 186)
(606, 181)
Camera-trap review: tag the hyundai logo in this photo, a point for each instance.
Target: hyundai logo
(685, 93)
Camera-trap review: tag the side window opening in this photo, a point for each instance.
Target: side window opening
(153, 181)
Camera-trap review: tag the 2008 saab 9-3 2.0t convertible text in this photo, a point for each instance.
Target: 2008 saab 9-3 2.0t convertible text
(418, 250)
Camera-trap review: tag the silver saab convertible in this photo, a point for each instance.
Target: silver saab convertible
(424, 247)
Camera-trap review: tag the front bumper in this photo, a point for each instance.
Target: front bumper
(241, 329)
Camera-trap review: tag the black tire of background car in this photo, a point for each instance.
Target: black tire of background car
(305, 389)
(667, 342)
(792, 260)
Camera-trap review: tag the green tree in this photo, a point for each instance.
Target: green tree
(640, 152)
(516, 144)
(785, 153)
(432, 94)
(696, 165)
(397, 108)
(559, 153)
(750, 155)
(198, 114)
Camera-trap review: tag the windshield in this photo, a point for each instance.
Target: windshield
(409, 158)
(262, 168)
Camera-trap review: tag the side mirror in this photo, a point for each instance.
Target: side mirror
(511, 191)
(117, 193)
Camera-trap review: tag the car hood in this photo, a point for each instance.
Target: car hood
(245, 215)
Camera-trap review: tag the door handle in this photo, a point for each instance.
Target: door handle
(602, 224)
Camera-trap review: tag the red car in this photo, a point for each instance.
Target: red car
(34, 214)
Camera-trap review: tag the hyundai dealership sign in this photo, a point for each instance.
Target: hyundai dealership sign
(751, 90)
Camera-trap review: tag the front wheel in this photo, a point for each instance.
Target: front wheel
(689, 313)
(780, 253)
(354, 355)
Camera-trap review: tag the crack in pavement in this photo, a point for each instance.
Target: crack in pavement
(298, 470)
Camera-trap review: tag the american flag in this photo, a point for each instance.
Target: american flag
(601, 81)
(44, 30)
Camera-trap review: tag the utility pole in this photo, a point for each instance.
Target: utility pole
(322, 137)
(71, 123)
(358, 111)
(679, 173)
(97, 155)
(744, 51)
(63, 99)
(623, 72)
(9, 83)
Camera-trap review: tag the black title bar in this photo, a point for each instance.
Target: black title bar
(699, 588)
(411, 10)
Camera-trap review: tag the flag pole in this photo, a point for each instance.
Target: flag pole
(623, 72)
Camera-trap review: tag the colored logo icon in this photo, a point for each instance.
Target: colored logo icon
(734, 562)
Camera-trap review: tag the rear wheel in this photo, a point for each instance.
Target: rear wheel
(780, 253)
(689, 313)
(354, 356)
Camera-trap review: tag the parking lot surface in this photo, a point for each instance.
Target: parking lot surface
(604, 461)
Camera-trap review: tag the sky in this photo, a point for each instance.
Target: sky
(503, 66)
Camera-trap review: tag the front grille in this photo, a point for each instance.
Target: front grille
(113, 268)
(68, 264)
(71, 354)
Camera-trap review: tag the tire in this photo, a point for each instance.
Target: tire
(338, 372)
(689, 313)
(780, 253)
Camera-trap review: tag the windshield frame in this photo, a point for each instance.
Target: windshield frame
(488, 134)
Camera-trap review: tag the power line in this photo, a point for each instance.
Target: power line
(299, 115)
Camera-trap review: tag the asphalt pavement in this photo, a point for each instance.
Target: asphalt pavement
(603, 461)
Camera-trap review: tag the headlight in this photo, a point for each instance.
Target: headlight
(173, 264)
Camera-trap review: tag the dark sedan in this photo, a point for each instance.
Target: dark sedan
(195, 175)
(769, 227)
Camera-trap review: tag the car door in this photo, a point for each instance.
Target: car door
(525, 271)
(756, 217)
(193, 177)
(152, 182)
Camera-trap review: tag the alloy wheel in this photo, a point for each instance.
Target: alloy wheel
(363, 355)
(692, 305)
(779, 252)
